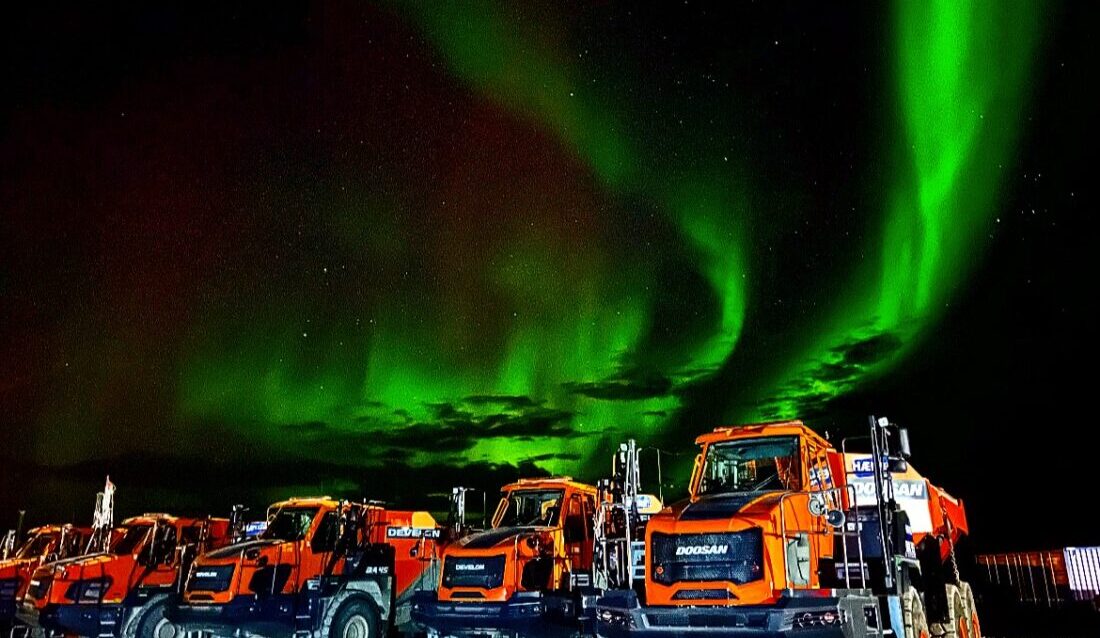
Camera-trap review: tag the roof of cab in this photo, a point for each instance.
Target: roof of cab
(770, 428)
(158, 517)
(550, 482)
(315, 501)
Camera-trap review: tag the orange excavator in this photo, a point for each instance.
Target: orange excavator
(121, 586)
(43, 544)
(553, 543)
(322, 567)
(785, 535)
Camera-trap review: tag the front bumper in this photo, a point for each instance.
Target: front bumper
(82, 620)
(526, 613)
(250, 614)
(620, 614)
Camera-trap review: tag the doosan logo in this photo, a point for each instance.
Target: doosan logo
(702, 550)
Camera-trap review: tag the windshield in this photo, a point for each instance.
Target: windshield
(749, 465)
(290, 524)
(130, 539)
(35, 546)
(523, 508)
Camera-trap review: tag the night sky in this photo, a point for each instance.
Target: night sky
(376, 251)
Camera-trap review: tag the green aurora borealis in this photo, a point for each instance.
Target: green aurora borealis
(471, 235)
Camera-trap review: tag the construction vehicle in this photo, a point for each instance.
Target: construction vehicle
(44, 544)
(784, 535)
(120, 588)
(553, 541)
(321, 567)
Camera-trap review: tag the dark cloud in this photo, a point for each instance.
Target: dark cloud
(554, 456)
(453, 427)
(843, 367)
(507, 401)
(633, 386)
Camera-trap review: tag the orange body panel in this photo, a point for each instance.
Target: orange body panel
(557, 552)
(294, 561)
(43, 544)
(127, 565)
(791, 541)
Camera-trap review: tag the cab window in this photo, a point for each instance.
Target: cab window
(324, 539)
(576, 528)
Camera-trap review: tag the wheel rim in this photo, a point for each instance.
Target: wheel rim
(356, 627)
(164, 629)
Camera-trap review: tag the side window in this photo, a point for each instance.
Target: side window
(574, 520)
(191, 534)
(589, 514)
(324, 539)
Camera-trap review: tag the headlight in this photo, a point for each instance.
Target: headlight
(615, 618)
(819, 619)
(88, 591)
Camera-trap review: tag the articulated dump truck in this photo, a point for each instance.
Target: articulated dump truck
(785, 535)
(122, 590)
(554, 544)
(43, 545)
(322, 567)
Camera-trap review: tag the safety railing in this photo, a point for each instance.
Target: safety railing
(830, 501)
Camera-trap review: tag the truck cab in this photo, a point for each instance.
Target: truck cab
(522, 571)
(319, 563)
(43, 544)
(745, 534)
(783, 534)
(124, 590)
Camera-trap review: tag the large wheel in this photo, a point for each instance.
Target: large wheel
(972, 627)
(355, 619)
(955, 625)
(912, 610)
(153, 624)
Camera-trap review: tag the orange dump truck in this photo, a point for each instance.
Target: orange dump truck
(123, 591)
(322, 567)
(44, 544)
(785, 535)
(518, 575)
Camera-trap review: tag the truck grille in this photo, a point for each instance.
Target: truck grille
(486, 572)
(211, 578)
(734, 557)
(8, 588)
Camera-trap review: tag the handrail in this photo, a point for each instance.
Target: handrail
(843, 532)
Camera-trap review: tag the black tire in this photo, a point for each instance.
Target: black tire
(356, 619)
(972, 627)
(956, 612)
(153, 623)
(912, 610)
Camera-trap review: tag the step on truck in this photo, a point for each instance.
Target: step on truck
(784, 535)
(533, 571)
(321, 567)
(120, 588)
(43, 544)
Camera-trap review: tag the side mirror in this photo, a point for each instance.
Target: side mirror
(897, 465)
(816, 505)
(903, 443)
